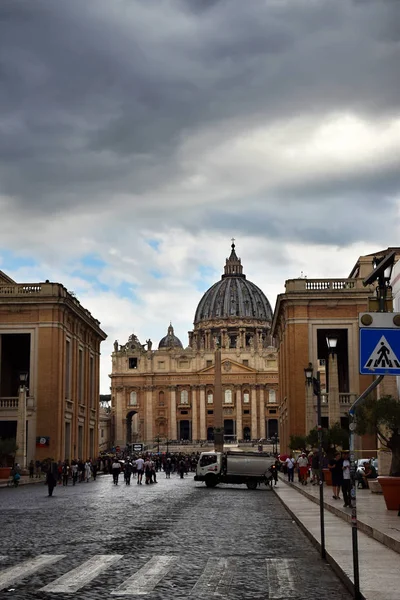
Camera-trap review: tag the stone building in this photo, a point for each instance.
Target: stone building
(46, 332)
(307, 315)
(168, 392)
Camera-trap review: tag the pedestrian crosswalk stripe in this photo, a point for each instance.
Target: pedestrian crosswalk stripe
(82, 575)
(216, 577)
(28, 567)
(281, 578)
(145, 580)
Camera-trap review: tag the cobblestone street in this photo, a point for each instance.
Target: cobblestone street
(171, 540)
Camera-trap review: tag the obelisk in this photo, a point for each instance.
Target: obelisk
(218, 415)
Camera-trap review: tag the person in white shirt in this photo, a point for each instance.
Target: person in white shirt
(346, 485)
(290, 462)
(139, 470)
(303, 468)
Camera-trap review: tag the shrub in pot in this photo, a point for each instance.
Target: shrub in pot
(381, 417)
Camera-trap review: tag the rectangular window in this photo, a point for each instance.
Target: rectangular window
(246, 398)
(161, 365)
(246, 363)
(246, 412)
(183, 364)
(80, 377)
(210, 412)
(209, 363)
(91, 382)
(133, 363)
(184, 412)
(272, 397)
(272, 411)
(68, 369)
(102, 433)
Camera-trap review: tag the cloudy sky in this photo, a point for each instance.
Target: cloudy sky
(138, 136)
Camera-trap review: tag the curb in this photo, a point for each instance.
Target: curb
(329, 558)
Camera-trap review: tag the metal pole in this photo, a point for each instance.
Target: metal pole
(353, 492)
(317, 390)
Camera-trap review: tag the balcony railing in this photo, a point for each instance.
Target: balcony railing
(323, 285)
(11, 403)
(345, 399)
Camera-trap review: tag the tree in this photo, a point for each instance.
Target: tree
(331, 438)
(8, 448)
(381, 417)
(298, 442)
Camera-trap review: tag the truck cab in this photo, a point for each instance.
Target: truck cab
(209, 463)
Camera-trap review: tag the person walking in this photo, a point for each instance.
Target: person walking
(139, 469)
(128, 473)
(115, 468)
(315, 467)
(182, 468)
(303, 468)
(167, 468)
(147, 471)
(31, 469)
(290, 464)
(335, 466)
(65, 473)
(74, 471)
(51, 481)
(38, 469)
(346, 483)
(88, 471)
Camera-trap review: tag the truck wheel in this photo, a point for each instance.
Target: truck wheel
(252, 485)
(211, 481)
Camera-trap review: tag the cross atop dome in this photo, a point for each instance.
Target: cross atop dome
(233, 265)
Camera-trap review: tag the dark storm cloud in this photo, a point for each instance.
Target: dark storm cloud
(97, 96)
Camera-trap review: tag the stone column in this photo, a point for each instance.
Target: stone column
(239, 421)
(203, 432)
(262, 413)
(172, 420)
(333, 399)
(20, 455)
(254, 435)
(195, 430)
(149, 414)
(310, 412)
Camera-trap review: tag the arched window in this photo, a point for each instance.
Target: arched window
(272, 397)
(228, 396)
(210, 398)
(246, 397)
(133, 399)
(184, 397)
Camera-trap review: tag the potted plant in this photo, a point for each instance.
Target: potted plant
(8, 448)
(381, 417)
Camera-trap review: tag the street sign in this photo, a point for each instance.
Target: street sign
(379, 351)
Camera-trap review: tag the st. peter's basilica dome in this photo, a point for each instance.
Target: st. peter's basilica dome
(233, 297)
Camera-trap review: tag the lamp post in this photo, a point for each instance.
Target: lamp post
(314, 381)
(20, 457)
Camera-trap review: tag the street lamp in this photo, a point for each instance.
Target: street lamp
(331, 341)
(21, 420)
(315, 383)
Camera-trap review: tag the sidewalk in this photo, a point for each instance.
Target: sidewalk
(25, 480)
(379, 564)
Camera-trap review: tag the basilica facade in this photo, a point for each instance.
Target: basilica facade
(168, 393)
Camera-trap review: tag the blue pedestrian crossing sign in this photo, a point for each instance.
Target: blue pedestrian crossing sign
(379, 351)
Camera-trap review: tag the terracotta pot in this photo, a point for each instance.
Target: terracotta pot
(327, 476)
(391, 491)
(5, 472)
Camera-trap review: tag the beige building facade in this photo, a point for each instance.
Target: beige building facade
(47, 333)
(168, 393)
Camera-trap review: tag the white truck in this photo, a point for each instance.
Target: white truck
(248, 468)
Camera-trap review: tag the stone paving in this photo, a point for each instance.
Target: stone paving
(172, 540)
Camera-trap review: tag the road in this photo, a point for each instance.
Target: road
(171, 540)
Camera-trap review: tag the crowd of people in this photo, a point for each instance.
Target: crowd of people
(308, 468)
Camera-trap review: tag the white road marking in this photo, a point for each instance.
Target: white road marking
(82, 575)
(281, 578)
(145, 580)
(216, 578)
(28, 567)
